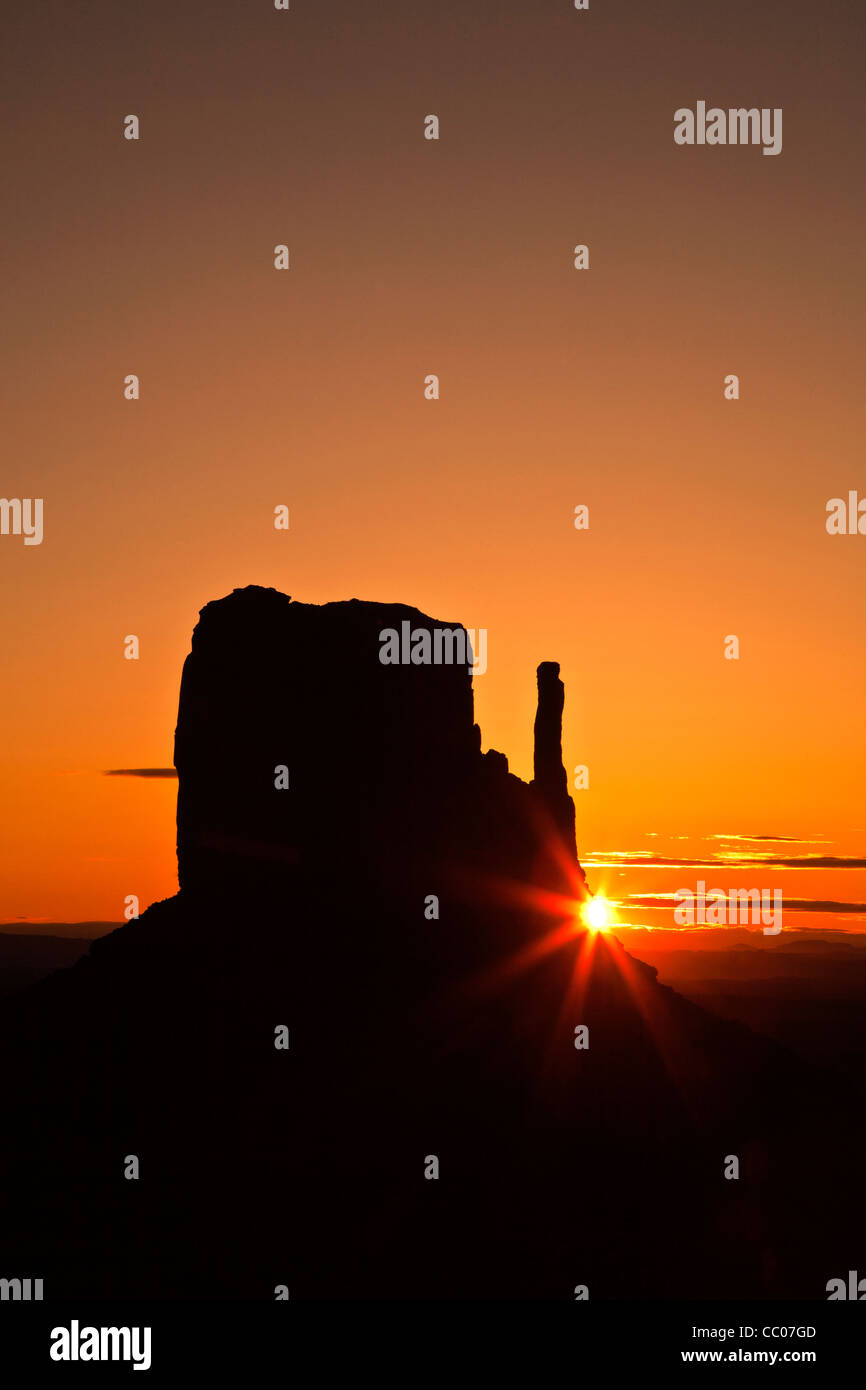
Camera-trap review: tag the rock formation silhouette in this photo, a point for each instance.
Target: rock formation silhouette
(549, 778)
(408, 910)
(383, 761)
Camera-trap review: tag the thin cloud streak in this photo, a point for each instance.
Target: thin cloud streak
(664, 901)
(775, 839)
(644, 859)
(140, 772)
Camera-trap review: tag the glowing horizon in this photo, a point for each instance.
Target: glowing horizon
(558, 387)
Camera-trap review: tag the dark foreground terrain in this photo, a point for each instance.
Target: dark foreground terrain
(412, 1037)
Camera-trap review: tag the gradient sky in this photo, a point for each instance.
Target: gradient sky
(558, 387)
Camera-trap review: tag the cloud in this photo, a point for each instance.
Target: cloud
(140, 772)
(664, 902)
(644, 859)
(776, 839)
(816, 905)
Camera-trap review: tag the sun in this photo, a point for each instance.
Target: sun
(597, 914)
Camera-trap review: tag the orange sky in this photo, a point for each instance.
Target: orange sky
(558, 387)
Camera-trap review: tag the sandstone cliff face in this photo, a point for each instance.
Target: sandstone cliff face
(383, 761)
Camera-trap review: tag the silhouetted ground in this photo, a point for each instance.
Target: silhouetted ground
(409, 1037)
